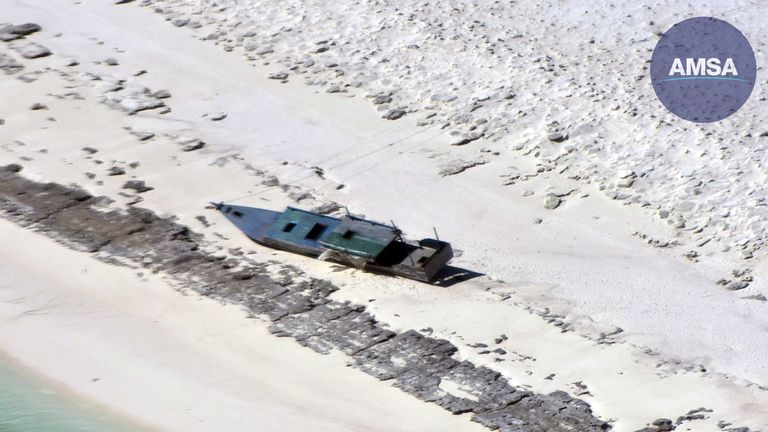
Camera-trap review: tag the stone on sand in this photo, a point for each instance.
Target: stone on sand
(552, 201)
(31, 50)
(394, 114)
(9, 65)
(137, 185)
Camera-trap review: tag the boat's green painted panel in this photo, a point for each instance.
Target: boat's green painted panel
(360, 237)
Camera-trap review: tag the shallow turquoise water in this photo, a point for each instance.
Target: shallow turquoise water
(28, 405)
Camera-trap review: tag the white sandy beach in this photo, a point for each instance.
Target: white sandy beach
(678, 340)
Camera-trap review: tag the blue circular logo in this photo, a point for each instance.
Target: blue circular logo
(703, 69)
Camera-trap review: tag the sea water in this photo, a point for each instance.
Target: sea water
(27, 404)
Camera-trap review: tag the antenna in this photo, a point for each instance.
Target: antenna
(347, 210)
(397, 230)
(436, 236)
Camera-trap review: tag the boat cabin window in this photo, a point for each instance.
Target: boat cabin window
(289, 227)
(237, 213)
(422, 260)
(316, 231)
(349, 234)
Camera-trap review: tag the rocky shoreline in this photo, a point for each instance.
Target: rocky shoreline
(416, 364)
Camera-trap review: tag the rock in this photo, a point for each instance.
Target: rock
(23, 29)
(203, 220)
(116, 171)
(552, 201)
(139, 102)
(218, 116)
(278, 76)
(467, 138)
(111, 62)
(557, 137)
(263, 50)
(161, 94)
(31, 50)
(37, 106)
(29, 77)
(143, 136)
(333, 89)
(327, 208)
(180, 22)
(737, 285)
(459, 166)
(12, 168)
(9, 65)
(193, 144)
(7, 37)
(90, 150)
(663, 425)
(394, 114)
(382, 99)
(137, 185)
(625, 182)
(118, 2)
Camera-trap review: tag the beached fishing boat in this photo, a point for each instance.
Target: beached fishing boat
(364, 244)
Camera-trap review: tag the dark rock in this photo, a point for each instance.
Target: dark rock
(161, 94)
(195, 144)
(9, 65)
(31, 50)
(394, 114)
(23, 29)
(203, 220)
(663, 425)
(557, 137)
(382, 99)
(467, 138)
(278, 76)
(116, 171)
(137, 185)
(737, 285)
(143, 136)
(8, 37)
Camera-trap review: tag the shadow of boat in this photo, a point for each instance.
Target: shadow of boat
(451, 275)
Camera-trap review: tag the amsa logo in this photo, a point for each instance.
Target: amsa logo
(703, 67)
